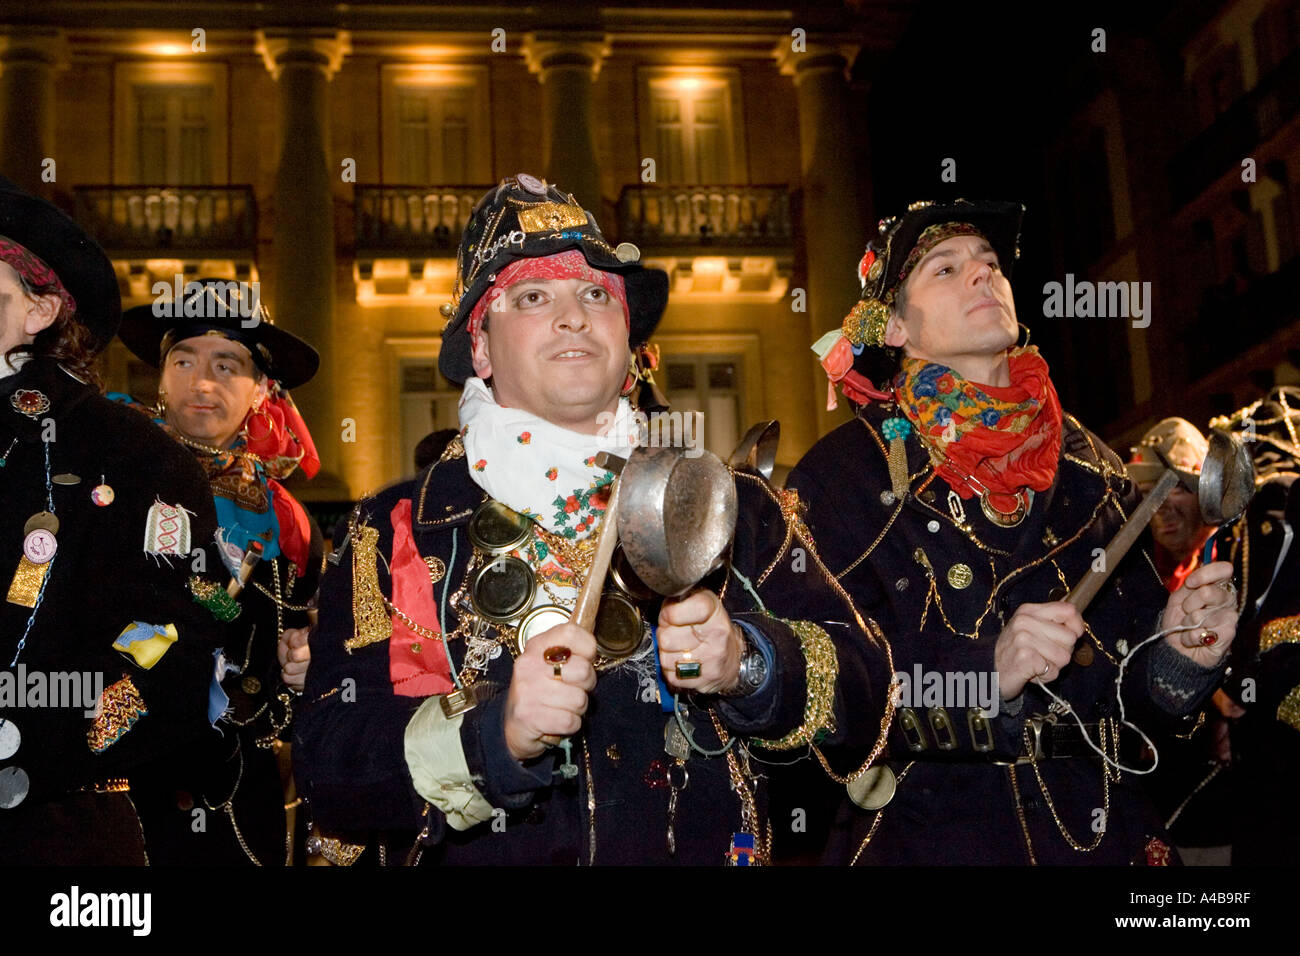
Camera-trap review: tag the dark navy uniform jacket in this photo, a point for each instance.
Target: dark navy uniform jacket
(100, 583)
(942, 595)
(349, 747)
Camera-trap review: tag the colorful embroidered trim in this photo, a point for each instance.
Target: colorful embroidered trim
(821, 671)
(146, 643)
(167, 530)
(930, 237)
(214, 597)
(120, 707)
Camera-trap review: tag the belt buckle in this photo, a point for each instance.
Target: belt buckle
(1040, 737)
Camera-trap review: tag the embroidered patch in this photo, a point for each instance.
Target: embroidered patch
(145, 643)
(167, 530)
(120, 706)
(524, 438)
(214, 597)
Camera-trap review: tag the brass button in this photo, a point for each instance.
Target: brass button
(250, 685)
(1083, 654)
(960, 576)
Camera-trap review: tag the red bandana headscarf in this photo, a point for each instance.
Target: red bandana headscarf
(33, 268)
(563, 265)
(1006, 438)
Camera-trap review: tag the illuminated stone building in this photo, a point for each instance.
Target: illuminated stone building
(336, 165)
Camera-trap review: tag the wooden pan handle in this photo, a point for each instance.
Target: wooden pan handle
(584, 611)
(1091, 582)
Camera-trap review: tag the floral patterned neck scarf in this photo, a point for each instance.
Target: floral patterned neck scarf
(1006, 439)
(249, 501)
(539, 469)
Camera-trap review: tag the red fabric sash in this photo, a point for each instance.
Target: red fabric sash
(417, 666)
(295, 526)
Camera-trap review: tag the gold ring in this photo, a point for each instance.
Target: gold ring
(556, 656)
(687, 669)
(1209, 638)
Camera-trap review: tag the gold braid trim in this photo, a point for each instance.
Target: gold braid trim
(369, 612)
(340, 853)
(822, 669)
(1289, 710)
(120, 707)
(1282, 630)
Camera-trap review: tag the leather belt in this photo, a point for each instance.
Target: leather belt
(1048, 739)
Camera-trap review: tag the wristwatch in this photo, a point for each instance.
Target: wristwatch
(753, 669)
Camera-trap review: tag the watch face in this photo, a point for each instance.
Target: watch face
(754, 669)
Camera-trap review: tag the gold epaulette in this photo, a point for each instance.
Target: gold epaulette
(371, 622)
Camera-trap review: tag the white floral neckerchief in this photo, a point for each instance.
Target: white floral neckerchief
(539, 469)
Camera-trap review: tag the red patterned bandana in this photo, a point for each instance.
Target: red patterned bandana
(1007, 438)
(32, 268)
(563, 265)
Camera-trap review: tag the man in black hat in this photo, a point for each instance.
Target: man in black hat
(106, 657)
(225, 375)
(449, 697)
(958, 509)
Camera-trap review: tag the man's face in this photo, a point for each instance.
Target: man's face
(556, 348)
(957, 303)
(1177, 525)
(22, 316)
(210, 386)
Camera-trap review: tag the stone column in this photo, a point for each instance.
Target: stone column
(834, 233)
(568, 64)
(302, 287)
(28, 61)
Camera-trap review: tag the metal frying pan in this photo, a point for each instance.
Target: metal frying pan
(1227, 481)
(677, 516)
(1223, 490)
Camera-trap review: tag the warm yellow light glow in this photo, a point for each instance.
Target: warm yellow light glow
(709, 265)
(167, 49)
(688, 83)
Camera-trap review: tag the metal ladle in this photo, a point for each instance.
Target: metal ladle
(1223, 490)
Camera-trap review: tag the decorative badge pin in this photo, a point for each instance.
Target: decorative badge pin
(102, 494)
(30, 402)
(534, 185)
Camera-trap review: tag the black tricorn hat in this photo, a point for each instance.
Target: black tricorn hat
(896, 249)
(81, 265)
(527, 218)
(219, 306)
(897, 237)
